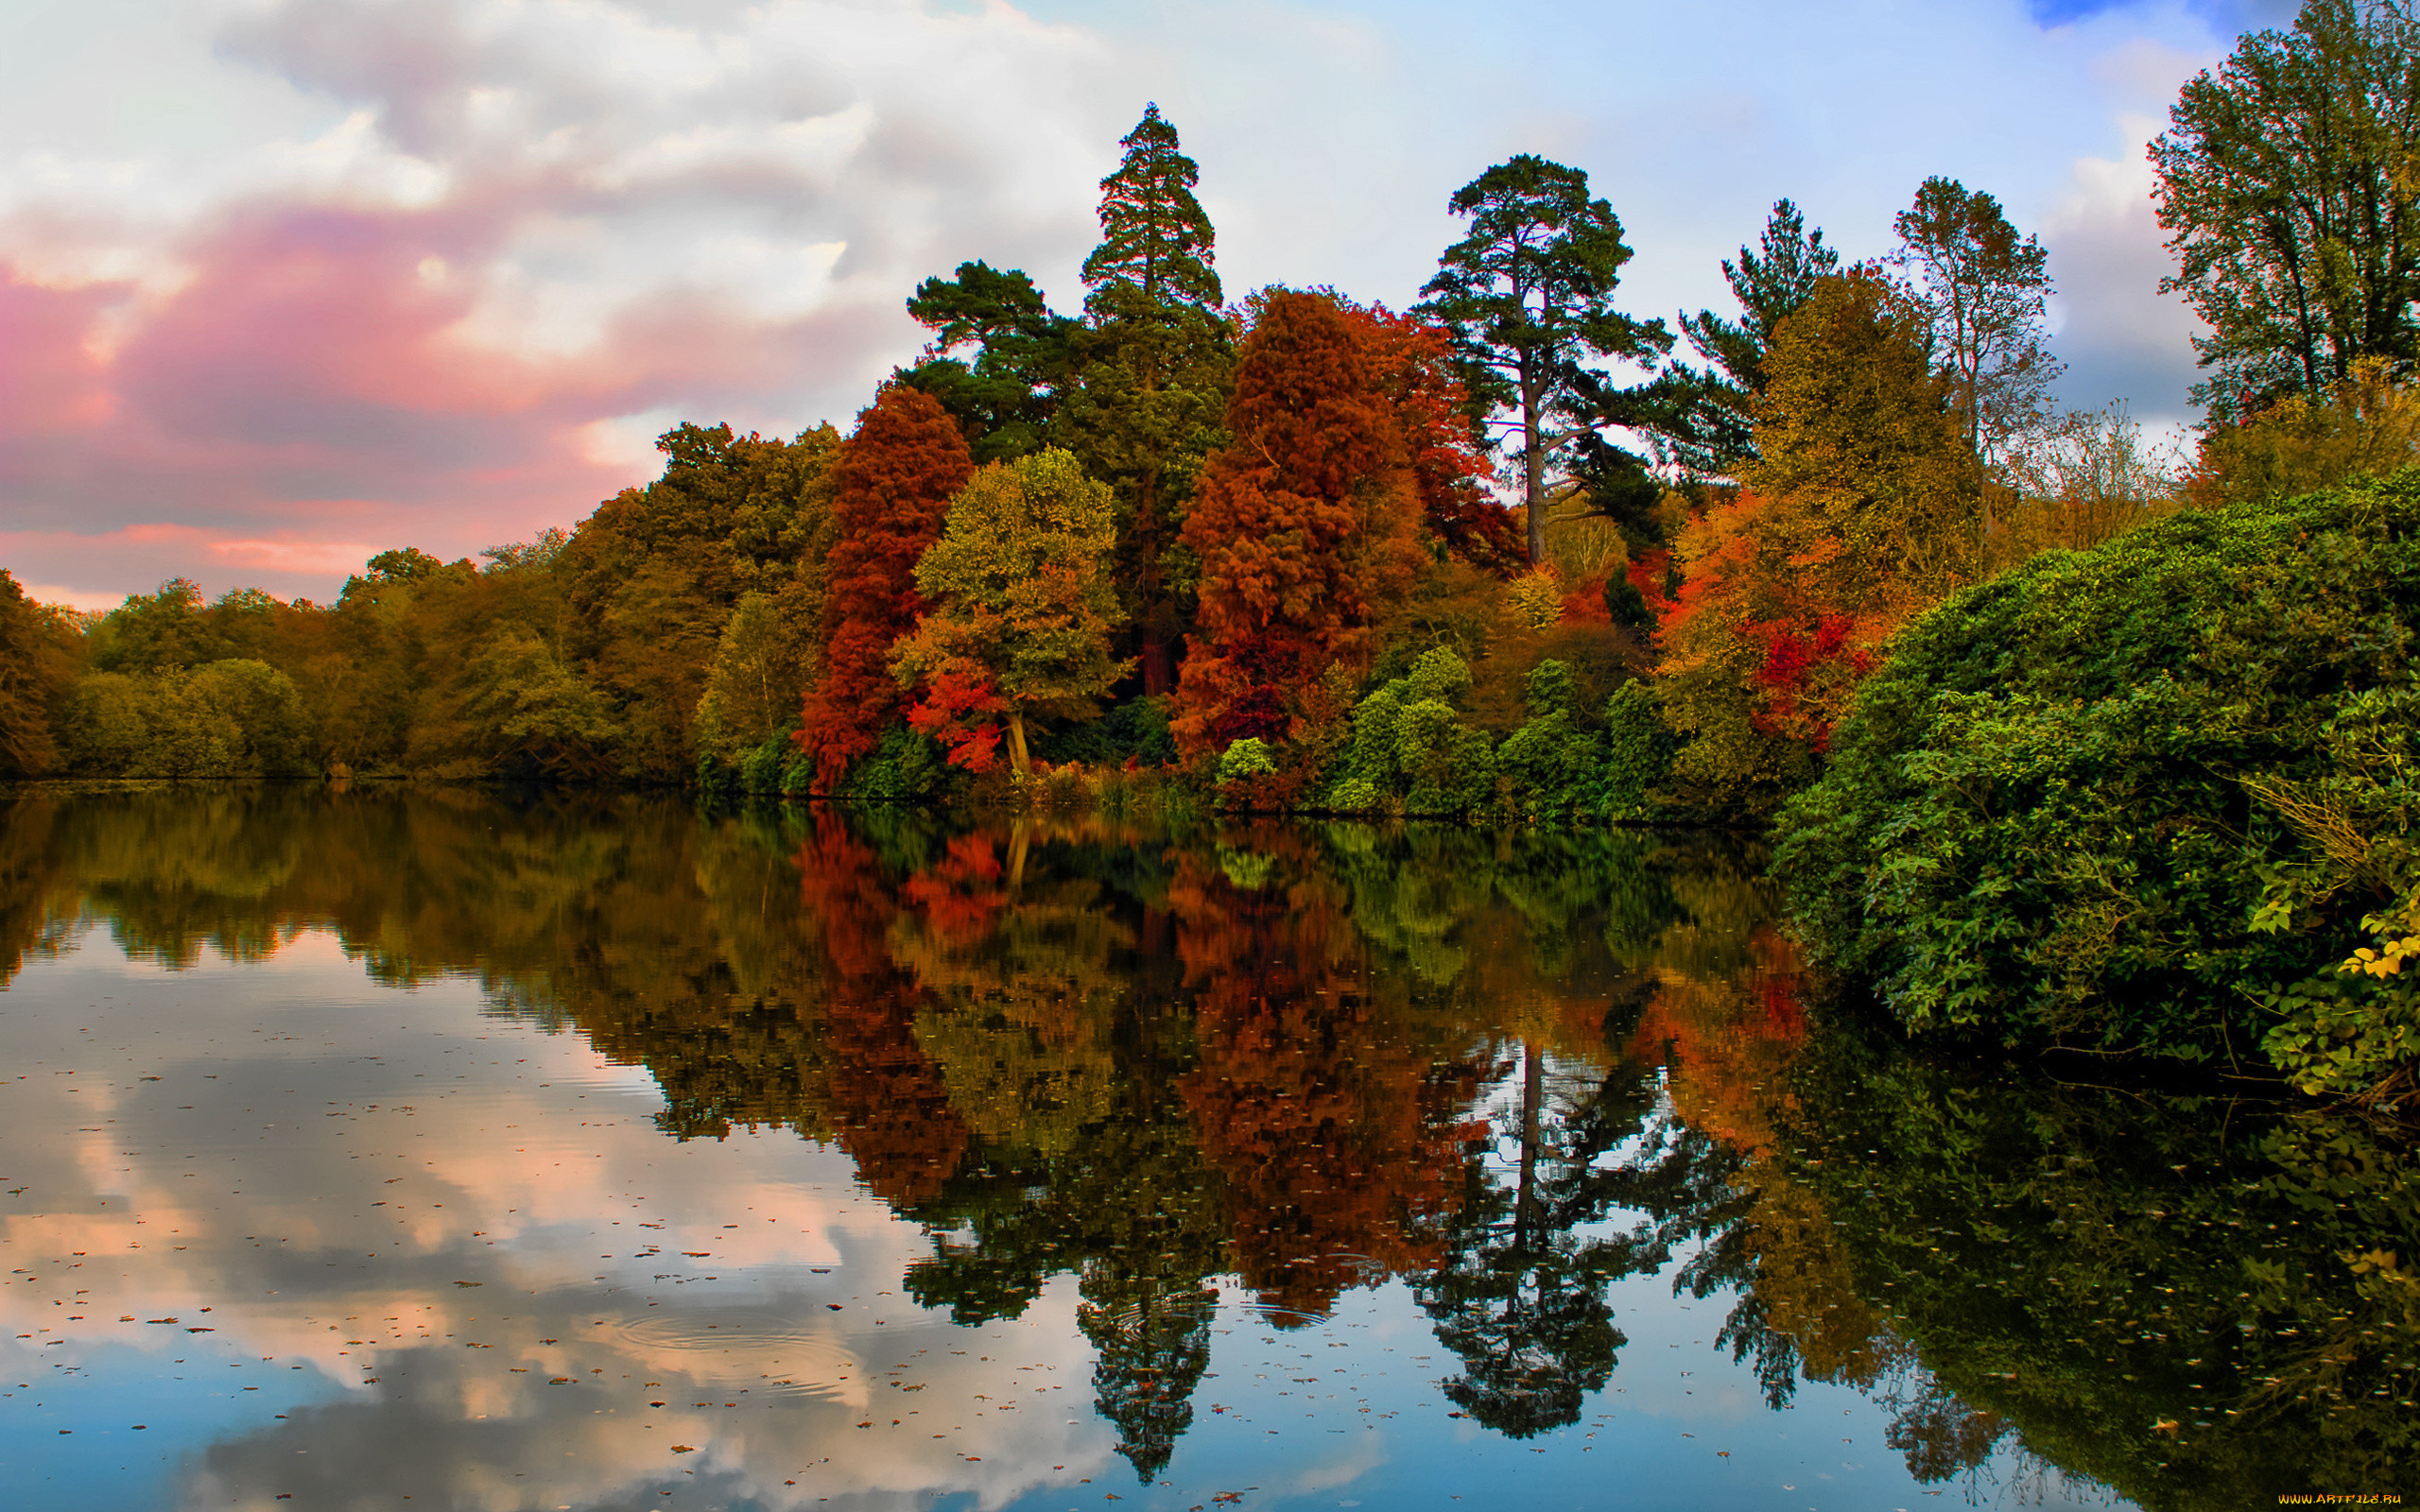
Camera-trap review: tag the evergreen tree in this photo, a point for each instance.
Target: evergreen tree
(1769, 281)
(1154, 236)
(1157, 361)
(1023, 361)
(1527, 296)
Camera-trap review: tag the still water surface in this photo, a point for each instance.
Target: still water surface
(429, 1151)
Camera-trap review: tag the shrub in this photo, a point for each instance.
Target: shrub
(2139, 797)
(902, 765)
(1638, 753)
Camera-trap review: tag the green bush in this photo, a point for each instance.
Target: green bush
(1551, 766)
(1638, 753)
(2111, 798)
(905, 766)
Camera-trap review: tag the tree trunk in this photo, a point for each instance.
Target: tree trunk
(1018, 762)
(1532, 468)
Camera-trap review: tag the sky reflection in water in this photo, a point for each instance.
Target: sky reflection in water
(428, 1151)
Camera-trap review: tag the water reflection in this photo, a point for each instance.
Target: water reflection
(1098, 1100)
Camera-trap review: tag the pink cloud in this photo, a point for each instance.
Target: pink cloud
(537, 227)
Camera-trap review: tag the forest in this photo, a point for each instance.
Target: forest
(2048, 724)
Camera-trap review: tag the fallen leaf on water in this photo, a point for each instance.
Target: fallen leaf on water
(469, 1283)
(684, 1448)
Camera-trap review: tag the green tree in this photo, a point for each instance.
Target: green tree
(1984, 288)
(1022, 599)
(1155, 237)
(1157, 361)
(1025, 358)
(1769, 281)
(1528, 297)
(2287, 184)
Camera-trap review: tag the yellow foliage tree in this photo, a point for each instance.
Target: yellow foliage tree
(1024, 606)
(1861, 511)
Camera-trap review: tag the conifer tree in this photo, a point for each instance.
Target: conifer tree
(1529, 297)
(890, 489)
(1769, 281)
(1155, 238)
(1024, 357)
(1156, 363)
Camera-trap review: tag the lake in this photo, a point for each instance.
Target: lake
(435, 1149)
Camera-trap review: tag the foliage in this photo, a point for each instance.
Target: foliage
(2090, 801)
(2286, 187)
(2083, 479)
(651, 579)
(890, 489)
(1022, 604)
(1769, 282)
(230, 718)
(1024, 362)
(1860, 511)
(1157, 362)
(38, 657)
(1154, 237)
(2364, 425)
(1305, 525)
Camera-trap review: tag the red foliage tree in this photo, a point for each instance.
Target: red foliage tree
(1305, 523)
(892, 485)
(1445, 447)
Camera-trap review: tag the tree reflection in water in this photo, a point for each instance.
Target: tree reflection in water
(1506, 1072)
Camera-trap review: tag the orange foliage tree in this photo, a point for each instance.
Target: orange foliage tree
(1305, 523)
(1860, 511)
(892, 487)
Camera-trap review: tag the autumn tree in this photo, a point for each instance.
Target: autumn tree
(1156, 358)
(1860, 511)
(652, 577)
(1984, 288)
(1528, 297)
(1306, 524)
(2289, 187)
(1768, 282)
(37, 656)
(891, 488)
(1023, 605)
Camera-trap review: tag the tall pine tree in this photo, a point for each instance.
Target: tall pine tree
(1527, 296)
(1157, 359)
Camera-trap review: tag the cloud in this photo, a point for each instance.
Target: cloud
(455, 262)
(2122, 338)
(518, 227)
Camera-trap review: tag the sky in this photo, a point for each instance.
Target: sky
(287, 282)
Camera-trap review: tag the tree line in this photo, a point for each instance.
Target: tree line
(1513, 550)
